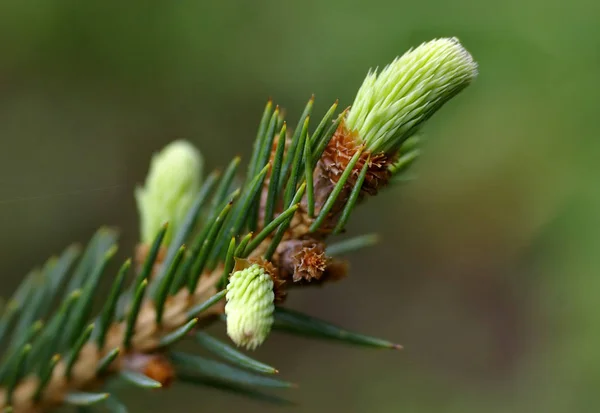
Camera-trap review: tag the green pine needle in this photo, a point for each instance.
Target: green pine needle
(115, 406)
(107, 314)
(352, 244)
(297, 165)
(302, 324)
(164, 284)
(351, 203)
(309, 170)
(85, 399)
(13, 352)
(317, 135)
(284, 226)
(139, 380)
(74, 353)
(225, 184)
(45, 377)
(239, 251)
(207, 246)
(229, 263)
(294, 144)
(106, 361)
(133, 313)
(324, 141)
(97, 247)
(262, 127)
(220, 371)
(17, 372)
(49, 341)
(273, 189)
(81, 312)
(266, 231)
(232, 388)
(232, 355)
(178, 334)
(200, 308)
(148, 265)
(249, 197)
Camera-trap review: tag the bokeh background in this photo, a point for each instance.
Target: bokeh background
(489, 266)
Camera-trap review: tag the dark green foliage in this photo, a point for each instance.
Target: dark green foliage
(302, 324)
(139, 380)
(225, 184)
(273, 190)
(108, 310)
(106, 361)
(225, 222)
(113, 405)
(85, 399)
(239, 251)
(229, 263)
(198, 309)
(178, 334)
(49, 340)
(133, 313)
(232, 355)
(207, 246)
(352, 244)
(232, 388)
(319, 133)
(151, 257)
(164, 284)
(76, 349)
(243, 208)
(322, 142)
(82, 310)
(201, 366)
(252, 165)
(297, 163)
(7, 367)
(295, 142)
(17, 371)
(45, 375)
(283, 226)
(308, 170)
(98, 246)
(262, 235)
(352, 199)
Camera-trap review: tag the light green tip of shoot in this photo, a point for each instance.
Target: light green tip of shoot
(392, 105)
(172, 183)
(250, 306)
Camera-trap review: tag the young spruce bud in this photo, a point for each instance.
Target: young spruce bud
(249, 307)
(171, 185)
(392, 105)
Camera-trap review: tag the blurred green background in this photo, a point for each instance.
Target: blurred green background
(489, 269)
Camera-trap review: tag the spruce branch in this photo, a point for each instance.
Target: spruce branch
(213, 251)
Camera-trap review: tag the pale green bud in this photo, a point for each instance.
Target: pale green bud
(171, 185)
(391, 106)
(250, 306)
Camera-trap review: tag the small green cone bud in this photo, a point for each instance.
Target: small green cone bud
(391, 106)
(171, 185)
(249, 307)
